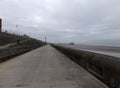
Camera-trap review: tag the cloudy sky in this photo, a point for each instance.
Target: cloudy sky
(79, 21)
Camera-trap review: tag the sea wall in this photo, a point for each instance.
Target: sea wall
(105, 68)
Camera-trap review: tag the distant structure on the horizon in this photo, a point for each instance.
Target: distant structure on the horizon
(0, 24)
(72, 43)
(45, 39)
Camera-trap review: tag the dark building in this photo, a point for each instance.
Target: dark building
(0, 24)
(72, 43)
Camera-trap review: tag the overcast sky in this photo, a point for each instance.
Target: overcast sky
(79, 21)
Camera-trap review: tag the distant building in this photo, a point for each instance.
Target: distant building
(72, 43)
(0, 24)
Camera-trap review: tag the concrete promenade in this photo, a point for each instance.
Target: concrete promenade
(45, 67)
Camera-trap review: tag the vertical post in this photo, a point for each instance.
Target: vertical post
(10, 29)
(17, 29)
(0, 25)
(45, 40)
(18, 39)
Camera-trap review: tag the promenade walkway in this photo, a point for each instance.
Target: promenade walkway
(45, 67)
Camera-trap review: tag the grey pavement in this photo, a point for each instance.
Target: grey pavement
(45, 67)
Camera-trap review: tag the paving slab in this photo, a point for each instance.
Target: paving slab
(45, 68)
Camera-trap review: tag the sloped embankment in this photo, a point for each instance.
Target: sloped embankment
(19, 48)
(6, 38)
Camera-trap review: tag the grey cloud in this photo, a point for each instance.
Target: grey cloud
(79, 21)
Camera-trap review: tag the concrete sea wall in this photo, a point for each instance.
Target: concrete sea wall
(105, 68)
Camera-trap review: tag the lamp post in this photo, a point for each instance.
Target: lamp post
(45, 39)
(18, 39)
(17, 29)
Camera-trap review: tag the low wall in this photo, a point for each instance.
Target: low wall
(106, 68)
